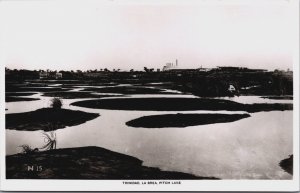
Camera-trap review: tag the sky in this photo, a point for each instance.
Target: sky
(131, 34)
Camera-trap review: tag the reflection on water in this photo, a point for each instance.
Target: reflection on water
(245, 149)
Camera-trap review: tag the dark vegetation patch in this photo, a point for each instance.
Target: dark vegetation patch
(72, 86)
(216, 83)
(14, 96)
(17, 99)
(287, 164)
(178, 104)
(85, 163)
(33, 89)
(87, 85)
(47, 119)
(74, 95)
(29, 84)
(159, 85)
(211, 83)
(183, 87)
(128, 90)
(58, 81)
(103, 84)
(74, 82)
(19, 93)
(53, 83)
(278, 97)
(183, 120)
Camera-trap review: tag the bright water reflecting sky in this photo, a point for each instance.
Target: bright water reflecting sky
(245, 149)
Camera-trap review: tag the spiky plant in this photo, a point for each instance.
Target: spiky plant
(50, 140)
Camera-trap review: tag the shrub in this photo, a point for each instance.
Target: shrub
(56, 103)
(27, 149)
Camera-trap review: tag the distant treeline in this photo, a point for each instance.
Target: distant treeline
(215, 82)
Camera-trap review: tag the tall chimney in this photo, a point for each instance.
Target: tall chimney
(176, 62)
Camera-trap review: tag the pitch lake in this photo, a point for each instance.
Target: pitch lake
(249, 148)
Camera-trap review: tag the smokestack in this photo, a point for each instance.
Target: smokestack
(176, 62)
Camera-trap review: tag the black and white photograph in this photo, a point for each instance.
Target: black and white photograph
(149, 95)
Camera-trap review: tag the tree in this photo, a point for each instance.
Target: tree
(56, 103)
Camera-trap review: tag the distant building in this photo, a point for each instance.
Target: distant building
(170, 66)
(43, 75)
(58, 75)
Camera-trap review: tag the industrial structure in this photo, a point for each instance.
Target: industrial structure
(170, 66)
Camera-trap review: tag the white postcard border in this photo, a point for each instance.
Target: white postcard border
(186, 185)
